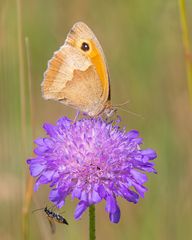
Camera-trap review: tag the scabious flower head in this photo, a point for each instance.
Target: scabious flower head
(91, 159)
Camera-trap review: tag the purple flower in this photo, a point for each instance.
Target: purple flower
(91, 160)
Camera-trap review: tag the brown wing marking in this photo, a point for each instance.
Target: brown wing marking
(84, 91)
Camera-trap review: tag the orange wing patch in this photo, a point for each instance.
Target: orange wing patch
(100, 65)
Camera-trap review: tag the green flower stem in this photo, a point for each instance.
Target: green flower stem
(92, 222)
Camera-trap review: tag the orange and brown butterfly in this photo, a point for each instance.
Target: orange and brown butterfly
(77, 73)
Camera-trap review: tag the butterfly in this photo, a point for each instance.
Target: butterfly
(77, 74)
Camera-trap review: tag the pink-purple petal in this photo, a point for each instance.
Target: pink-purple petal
(101, 191)
(140, 189)
(138, 176)
(133, 134)
(115, 217)
(76, 193)
(111, 204)
(57, 197)
(93, 197)
(36, 169)
(150, 153)
(129, 195)
(81, 207)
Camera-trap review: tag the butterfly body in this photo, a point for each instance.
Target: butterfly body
(77, 74)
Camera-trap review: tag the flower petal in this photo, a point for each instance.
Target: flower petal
(76, 193)
(150, 153)
(115, 217)
(93, 197)
(101, 191)
(111, 204)
(138, 176)
(140, 189)
(129, 195)
(81, 207)
(50, 129)
(36, 169)
(57, 197)
(133, 134)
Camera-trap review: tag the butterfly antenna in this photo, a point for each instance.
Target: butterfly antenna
(37, 209)
(122, 104)
(133, 113)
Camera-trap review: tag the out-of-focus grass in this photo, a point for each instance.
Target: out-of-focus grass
(186, 44)
(143, 46)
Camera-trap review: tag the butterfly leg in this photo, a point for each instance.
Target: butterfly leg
(76, 117)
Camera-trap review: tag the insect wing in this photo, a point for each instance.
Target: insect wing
(52, 225)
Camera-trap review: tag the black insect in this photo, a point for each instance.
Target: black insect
(53, 217)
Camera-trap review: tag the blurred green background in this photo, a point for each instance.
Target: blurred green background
(143, 46)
